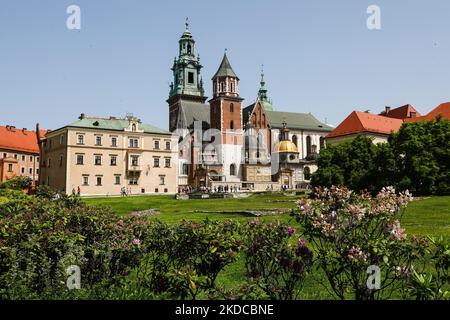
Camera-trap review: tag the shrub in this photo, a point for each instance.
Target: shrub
(278, 266)
(351, 232)
(18, 183)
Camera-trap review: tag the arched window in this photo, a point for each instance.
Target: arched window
(222, 87)
(232, 107)
(294, 140)
(231, 86)
(307, 173)
(133, 127)
(232, 169)
(231, 124)
(189, 49)
(308, 145)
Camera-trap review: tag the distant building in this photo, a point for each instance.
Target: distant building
(106, 156)
(374, 126)
(443, 110)
(403, 112)
(19, 153)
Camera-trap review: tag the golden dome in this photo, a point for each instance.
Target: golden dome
(286, 146)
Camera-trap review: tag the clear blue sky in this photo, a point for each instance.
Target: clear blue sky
(319, 56)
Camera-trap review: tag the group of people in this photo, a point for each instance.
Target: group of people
(215, 189)
(125, 192)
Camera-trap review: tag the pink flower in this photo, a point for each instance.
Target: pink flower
(291, 230)
(136, 242)
(120, 222)
(301, 242)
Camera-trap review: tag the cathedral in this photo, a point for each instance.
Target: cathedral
(222, 142)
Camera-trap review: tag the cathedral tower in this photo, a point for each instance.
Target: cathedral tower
(187, 83)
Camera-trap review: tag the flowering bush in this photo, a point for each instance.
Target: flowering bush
(277, 264)
(351, 232)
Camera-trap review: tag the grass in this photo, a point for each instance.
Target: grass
(427, 216)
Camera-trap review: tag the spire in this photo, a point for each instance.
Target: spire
(262, 93)
(187, 23)
(225, 69)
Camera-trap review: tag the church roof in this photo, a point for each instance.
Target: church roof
(359, 122)
(296, 120)
(225, 69)
(195, 111)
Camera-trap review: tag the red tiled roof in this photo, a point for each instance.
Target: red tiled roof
(443, 109)
(402, 112)
(18, 139)
(359, 122)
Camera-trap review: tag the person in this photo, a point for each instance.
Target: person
(78, 191)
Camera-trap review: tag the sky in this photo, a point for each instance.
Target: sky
(319, 56)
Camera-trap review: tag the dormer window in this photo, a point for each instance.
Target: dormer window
(133, 127)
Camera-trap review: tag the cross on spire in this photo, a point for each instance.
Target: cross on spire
(187, 23)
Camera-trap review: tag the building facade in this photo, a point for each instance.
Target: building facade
(222, 141)
(109, 156)
(19, 154)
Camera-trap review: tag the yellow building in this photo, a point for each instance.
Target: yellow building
(109, 156)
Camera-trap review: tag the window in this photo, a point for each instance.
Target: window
(113, 160)
(134, 161)
(37, 159)
(307, 173)
(185, 169)
(98, 160)
(322, 142)
(23, 158)
(167, 162)
(85, 180)
(294, 140)
(189, 49)
(133, 127)
(5, 155)
(30, 171)
(80, 139)
(37, 171)
(308, 145)
(231, 86)
(134, 180)
(80, 159)
(156, 162)
(22, 170)
(232, 107)
(117, 179)
(15, 156)
(61, 139)
(10, 167)
(61, 159)
(222, 85)
(98, 140)
(232, 169)
(162, 180)
(231, 124)
(31, 158)
(99, 180)
(156, 144)
(133, 143)
(167, 145)
(190, 77)
(114, 142)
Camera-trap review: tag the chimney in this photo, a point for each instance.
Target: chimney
(387, 109)
(82, 116)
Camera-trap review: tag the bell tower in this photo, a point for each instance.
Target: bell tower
(187, 84)
(226, 116)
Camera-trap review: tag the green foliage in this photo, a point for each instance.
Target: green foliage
(276, 265)
(416, 158)
(18, 183)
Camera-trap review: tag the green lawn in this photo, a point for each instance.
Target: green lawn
(423, 216)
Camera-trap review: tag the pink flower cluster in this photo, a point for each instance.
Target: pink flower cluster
(356, 254)
(395, 231)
